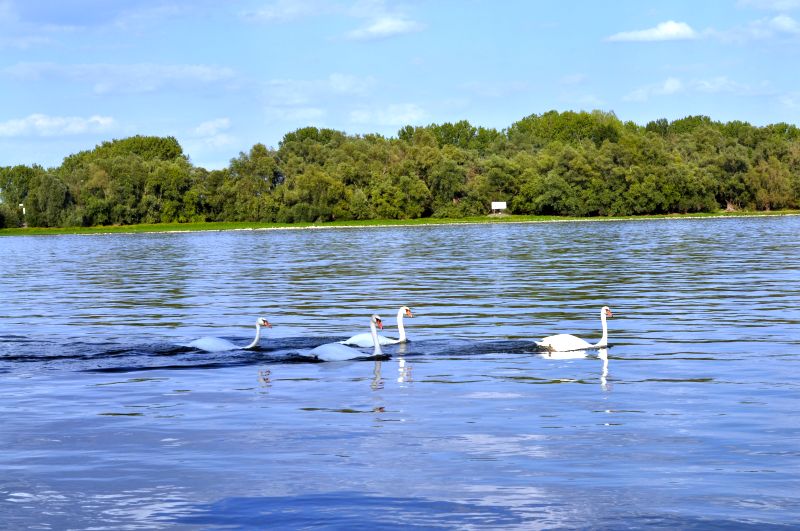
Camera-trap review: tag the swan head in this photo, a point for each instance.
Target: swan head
(376, 320)
(406, 311)
(605, 311)
(263, 322)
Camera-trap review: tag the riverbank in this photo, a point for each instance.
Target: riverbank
(252, 225)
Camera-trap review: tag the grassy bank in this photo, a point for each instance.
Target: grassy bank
(246, 225)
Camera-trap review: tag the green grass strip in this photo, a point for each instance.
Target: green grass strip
(254, 225)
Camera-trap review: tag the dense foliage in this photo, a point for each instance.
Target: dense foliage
(571, 163)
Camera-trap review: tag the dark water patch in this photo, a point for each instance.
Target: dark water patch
(346, 510)
(119, 358)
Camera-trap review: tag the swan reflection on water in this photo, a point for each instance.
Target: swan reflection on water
(602, 354)
(377, 379)
(403, 367)
(403, 371)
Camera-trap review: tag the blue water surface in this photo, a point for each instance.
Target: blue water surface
(687, 421)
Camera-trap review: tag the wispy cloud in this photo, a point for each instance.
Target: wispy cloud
(778, 26)
(301, 92)
(573, 79)
(391, 115)
(50, 126)
(287, 10)
(762, 29)
(790, 100)
(714, 85)
(133, 78)
(669, 86)
(380, 21)
(212, 133)
(24, 42)
(306, 100)
(771, 5)
(296, 115)
(385, 26)
(784, 24)
(584, 101)
(665, 31)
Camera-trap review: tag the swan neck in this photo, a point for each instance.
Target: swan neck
(604, 339)
(400, 328)
(375, 341)
(255, 341)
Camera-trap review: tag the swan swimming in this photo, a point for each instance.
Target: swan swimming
(365, 340)
(215, 344)
(568, 342)
(340, 352)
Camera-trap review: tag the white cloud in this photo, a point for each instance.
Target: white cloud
(719, 84)
(381, 21)
(44, 125)
(212, 133)
(761, 29)
(302, 92)
(784, 24)
(665, 31)
(394, 115)
(670, 86)
(212, 127)
(108, 78)
(714, 85)
(385, 26)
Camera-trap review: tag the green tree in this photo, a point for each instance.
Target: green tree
(769, 185)
(47, 201)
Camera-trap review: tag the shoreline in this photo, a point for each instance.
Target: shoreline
(174, 228)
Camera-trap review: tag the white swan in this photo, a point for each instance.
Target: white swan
(365, 340)
(215, 344)
(339, 352)
(567, 342)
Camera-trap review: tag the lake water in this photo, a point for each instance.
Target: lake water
(689, 420)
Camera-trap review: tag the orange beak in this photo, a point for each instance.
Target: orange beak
(409, 314)
(379, 323)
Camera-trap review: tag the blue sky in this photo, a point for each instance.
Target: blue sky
(222, 76)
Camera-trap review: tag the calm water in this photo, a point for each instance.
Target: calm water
(691, 422)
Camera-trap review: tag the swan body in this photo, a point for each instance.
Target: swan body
(340, 352)
(216, 344)
(568, 342)
(365, 340)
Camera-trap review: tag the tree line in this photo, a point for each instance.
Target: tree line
(569, 163)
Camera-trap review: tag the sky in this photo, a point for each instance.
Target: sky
(223, 76)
